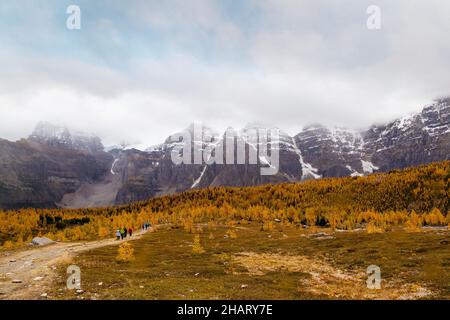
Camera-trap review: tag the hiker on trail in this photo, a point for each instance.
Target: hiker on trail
(125, 232)
(130, 232)
(118, 234)
(122, 233)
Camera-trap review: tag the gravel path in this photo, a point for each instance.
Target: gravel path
(25, 274)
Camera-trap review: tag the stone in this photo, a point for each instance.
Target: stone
(17, 281)
(41, 241)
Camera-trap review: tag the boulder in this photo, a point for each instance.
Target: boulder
(41, 241)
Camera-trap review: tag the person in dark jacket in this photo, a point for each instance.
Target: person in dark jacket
(125, 232)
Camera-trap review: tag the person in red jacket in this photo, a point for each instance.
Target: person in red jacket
(130, 232)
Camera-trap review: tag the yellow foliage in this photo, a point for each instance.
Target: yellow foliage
(434, 218)
(212, 225)
(373, 228)
(311, 217)
(231, 234)
(103, 232)
(267, 226)
(414, 223)
(125, 253)
(197, 247)
(188, 226)
(8, 245)
(411, 197)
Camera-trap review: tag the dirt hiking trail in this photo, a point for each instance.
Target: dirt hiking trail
(26, 274)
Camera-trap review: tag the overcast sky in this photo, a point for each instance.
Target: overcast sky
(141, 70)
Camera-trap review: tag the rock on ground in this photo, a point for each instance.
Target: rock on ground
(41, 241)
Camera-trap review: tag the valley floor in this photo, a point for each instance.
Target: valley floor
(241, 262)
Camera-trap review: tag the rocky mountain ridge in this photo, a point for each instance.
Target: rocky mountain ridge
(57, 167)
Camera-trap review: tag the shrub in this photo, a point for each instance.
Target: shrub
(103, 232)
(372, 227)
(8, 244)
(125, 253)
(232, 234)
(197, 247)
(414, 223)
(267, 226)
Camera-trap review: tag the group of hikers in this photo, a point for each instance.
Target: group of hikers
(123, 232)
(146, 225)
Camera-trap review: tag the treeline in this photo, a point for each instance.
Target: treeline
(412, 197)
(19, 227)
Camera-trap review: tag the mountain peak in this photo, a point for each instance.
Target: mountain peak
(47, 130)
(55, 135)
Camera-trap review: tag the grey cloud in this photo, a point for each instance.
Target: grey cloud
(303, 62)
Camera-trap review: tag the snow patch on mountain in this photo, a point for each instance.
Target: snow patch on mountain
(197, 182)
(404, 123)
(47, 133)
(308, 171)
(112, 166)
(156, 148)
(354, 173)
(368, 167)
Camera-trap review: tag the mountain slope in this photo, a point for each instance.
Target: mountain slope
(39, 175)
(412, 140)
(58, 167)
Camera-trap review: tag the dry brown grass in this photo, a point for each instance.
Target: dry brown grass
(326, 280)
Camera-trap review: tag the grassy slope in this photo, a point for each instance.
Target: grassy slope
(166, 268)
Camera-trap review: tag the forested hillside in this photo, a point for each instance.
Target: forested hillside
(410, 198)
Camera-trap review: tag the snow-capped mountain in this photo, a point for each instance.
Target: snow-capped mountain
(47, 133)
(57, 167)
(412, 140)
(331, 152)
